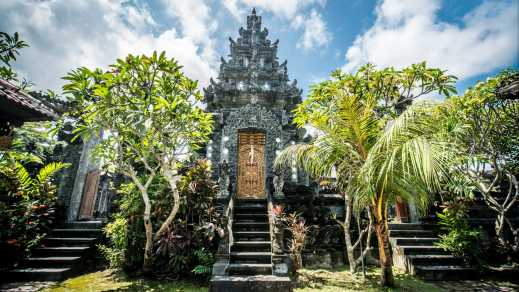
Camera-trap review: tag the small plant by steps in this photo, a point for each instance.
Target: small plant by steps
(298, 230)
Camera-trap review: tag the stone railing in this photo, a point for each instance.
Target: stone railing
(229, 214)
(280, 260)
(227, 240)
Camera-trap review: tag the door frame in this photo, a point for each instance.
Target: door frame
(237, 166)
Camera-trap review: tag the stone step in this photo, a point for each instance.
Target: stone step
(49, 262)
(68, 241)
(251, 257)
(251, 217)
(410, 226)
(434, 260)
(446, 273)
(249, 269)
(250, 208)
(250, 226)
(252, 235)
(414, 241)
(424, 250)
(59, 251)
(76, 232)
(238, 202)
(412, 233)
(262, 283)
(38, 274)
(264, 246)
(84, 225)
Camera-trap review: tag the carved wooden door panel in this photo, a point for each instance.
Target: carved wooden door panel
(89, 195)
(251, 165)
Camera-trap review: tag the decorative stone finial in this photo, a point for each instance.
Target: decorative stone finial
(254, 11)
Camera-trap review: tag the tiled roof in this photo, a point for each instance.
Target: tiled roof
(34, 110)
(510, 91)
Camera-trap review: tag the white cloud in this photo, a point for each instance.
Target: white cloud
(67, 34)
(409, 31)
(315, 33)
(281, 8)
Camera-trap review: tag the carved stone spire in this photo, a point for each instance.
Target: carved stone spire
(252, 71)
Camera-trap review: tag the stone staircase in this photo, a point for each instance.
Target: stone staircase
(250, 260)
(414, 251)
(62, 254)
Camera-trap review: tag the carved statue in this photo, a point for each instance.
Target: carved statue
(224, 180)
(278, 229)
(278, 183)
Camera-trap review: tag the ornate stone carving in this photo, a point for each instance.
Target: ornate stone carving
(252, 73)
(223, 180)
(278, 230)
(278, 182)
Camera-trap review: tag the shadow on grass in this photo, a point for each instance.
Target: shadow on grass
(342, 280)
(109, 280)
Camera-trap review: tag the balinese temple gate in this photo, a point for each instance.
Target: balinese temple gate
(251, 101)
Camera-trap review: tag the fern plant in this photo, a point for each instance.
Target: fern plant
(28, 208)
(206, 261)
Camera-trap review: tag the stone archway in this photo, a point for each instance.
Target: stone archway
(257, 117)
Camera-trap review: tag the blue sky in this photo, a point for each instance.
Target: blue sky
(472, 39)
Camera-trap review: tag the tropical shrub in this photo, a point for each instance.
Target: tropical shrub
(114, 253)
(205, 262)
(458, 237)
(27, 203)
(186, 248)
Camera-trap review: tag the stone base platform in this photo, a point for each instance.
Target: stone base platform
(260, 283)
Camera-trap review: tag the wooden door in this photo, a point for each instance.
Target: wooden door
(88, 200)
(402, 212)
(251, 165)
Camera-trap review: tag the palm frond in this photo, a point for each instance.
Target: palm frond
(49, 170)
(23, 177)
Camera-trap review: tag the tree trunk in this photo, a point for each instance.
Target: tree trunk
(385, 260)
(500, 222)
(298, 260)
(347, 235)
(148, 249)
(147, 264)
(172, 179)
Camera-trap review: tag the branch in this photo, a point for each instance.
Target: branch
(513, 181)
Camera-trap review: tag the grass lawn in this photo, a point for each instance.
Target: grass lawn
(310, 279)
(342, 280)
(109, 280)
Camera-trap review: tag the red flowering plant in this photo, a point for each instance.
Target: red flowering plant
(27, 204)
(278, 210)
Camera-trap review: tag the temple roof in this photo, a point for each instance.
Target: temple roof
(17, 106)
(252, 73)
(510, 91)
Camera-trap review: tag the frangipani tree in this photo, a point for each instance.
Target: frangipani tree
(490, 144)
(378, 154)
(145, 107)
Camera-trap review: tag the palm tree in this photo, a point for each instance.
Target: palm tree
(377, 154)
(342, 148)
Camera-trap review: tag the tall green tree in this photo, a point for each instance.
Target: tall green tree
(9, 46)
(145, 107)
(377, 153)
(490, 147)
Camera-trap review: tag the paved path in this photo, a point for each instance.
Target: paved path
(24, 286)
(484, 285)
